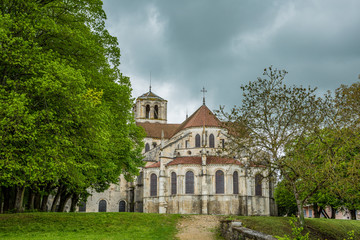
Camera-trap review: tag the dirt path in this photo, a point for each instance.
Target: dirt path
(199, 227)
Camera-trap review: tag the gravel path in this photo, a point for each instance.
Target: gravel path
(198, 227)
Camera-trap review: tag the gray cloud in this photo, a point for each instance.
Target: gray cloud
(223, 44)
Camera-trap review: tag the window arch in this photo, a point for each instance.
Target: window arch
(102, 206)
(122, 206)
(82, 206)
(173, 183)
(219, 181)
(236, 183)
(156, 112)
(147, 147)
(147, 109)
(197, 140)
(189, 182)
(211, 141)
(258, 185)
(153, 185)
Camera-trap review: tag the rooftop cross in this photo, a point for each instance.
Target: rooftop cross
(203, 91)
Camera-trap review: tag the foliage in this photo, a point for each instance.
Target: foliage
(272, 116)
(312, 142)
(285, 200)
(65, 108)
(88, 226)
(296, 231)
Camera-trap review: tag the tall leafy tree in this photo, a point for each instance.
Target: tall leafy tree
(65, 108)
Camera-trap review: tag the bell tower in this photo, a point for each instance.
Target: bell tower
(149, 107)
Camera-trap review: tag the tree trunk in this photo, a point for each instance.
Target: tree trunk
(6, 193)
(56, 198)
(353, 214)
(44, 201)
(316, 210)
(1, 200)
(19, 199)
(74, 201)
(300, 207)
(37, 201)
(30, 202)
(45, 197)
(63, 200)
(333, 212)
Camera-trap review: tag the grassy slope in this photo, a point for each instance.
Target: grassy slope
(87, 226)
(318, 228)
(146, 226)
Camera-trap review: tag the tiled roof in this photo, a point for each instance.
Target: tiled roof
(209, 160)
(150, 95)
(201, 117)
(153, 130)
(185, 160)
(221, 160)
(154, 165)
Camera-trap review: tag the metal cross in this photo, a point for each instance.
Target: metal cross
(203, 91)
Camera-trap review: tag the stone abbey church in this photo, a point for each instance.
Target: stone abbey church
(184, 172)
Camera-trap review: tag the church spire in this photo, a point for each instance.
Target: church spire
(150, 83)
(203, 90)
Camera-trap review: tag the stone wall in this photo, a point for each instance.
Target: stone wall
(232, 230)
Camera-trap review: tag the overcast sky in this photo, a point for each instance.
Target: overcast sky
(223, 44)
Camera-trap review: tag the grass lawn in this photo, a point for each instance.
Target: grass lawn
(88, 226)
(319, 228)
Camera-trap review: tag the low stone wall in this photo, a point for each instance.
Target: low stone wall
(232, 230)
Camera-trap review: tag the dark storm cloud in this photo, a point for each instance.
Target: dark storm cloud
(223, 44)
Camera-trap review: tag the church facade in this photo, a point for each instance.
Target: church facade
(184, 172)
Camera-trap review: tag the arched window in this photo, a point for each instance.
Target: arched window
(153, 185)
(154, 144)
(102, 206)
(236, 183)
(173, 183)
(122, 206)
(147, 111)
(82, 206)
(219, 181)
(258, 185)
(156, 112)
(211, 141)
(147, 147)
(197, 140)
(189, 182)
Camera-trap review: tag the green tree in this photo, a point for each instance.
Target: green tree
(65, 108)
(285, 199)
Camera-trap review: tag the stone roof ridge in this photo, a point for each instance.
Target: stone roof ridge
(150, 94)
(196, 160)
(203, 116)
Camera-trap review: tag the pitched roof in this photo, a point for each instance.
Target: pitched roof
(154, 165)
(209, 160)
(153, 130)
(185, 160)
(150, 95)
(201, 117)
